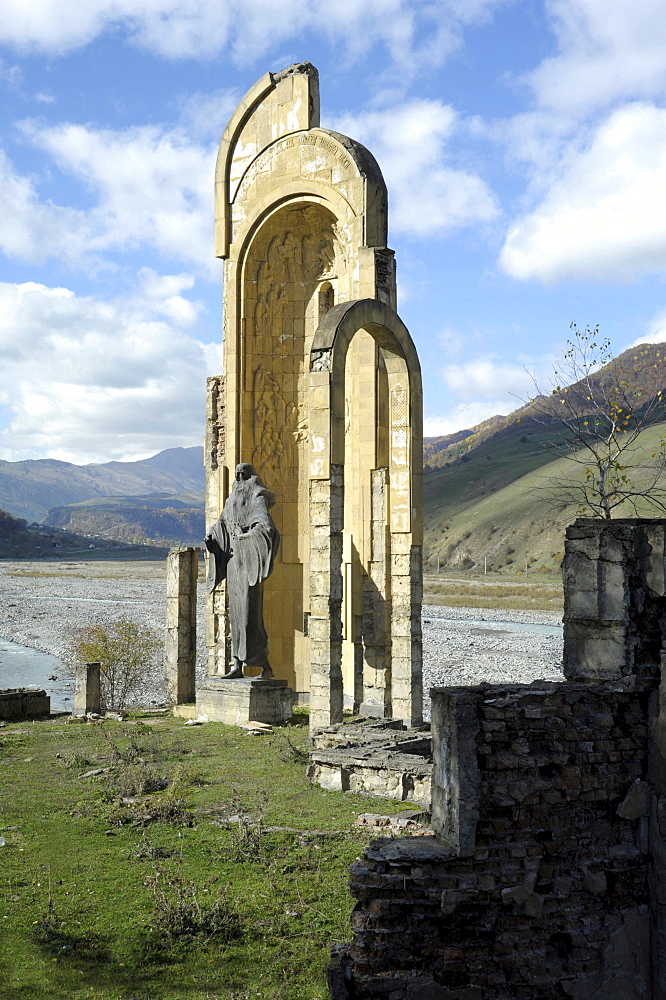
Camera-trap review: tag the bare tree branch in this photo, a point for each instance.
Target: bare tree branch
(597, 408)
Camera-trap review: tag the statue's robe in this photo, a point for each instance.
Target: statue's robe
(243, 543)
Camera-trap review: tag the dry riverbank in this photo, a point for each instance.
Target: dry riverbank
(42, 604)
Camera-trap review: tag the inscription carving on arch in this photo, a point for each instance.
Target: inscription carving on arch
(304, 151)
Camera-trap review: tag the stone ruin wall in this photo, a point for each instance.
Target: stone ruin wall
(546, 878)
(554, 890)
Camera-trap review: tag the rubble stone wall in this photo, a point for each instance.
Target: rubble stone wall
(551, 900)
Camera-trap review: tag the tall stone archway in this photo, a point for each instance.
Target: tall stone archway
(321, 393)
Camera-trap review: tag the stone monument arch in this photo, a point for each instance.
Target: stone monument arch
(321, 393)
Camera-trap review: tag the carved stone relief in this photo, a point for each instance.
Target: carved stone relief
(299, 252)
(320, 361)
(400, 459)
(278, 429)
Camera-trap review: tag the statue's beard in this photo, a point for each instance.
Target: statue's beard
(243, 489)
(241, 504)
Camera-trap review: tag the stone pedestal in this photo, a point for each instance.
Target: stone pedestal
(245, 699)
(86, 689)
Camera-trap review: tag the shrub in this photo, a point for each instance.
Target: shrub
(125, 651)
(183, 914)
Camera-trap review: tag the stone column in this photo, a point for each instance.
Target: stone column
(614, 599)
(181, 624)
(406, 642)
(376, 608)
(86, 689)
(326, 513)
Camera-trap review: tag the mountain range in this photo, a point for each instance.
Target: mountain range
(483, 487)
(32, 488)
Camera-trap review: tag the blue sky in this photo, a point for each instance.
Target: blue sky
(523, 143)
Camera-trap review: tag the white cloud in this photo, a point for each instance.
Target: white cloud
(88, 380)
(413, 33)
(608, 51)
(489, 379)
(593, 146)
(153, 187)
(463, 416)
(410, 141)
(205, 115)
(655, 333)
(11, 75)
(481, 388)
(604, 216)
(32, 230)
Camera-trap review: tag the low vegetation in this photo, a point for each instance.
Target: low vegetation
(510, 528)
(494, 591)
(155, 861)
(125, 651)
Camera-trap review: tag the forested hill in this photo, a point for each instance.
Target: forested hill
(19, 540)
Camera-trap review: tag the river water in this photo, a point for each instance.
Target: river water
(500, 626)
(21, 666)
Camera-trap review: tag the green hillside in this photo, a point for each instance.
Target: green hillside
(500, 515)
(485, 469)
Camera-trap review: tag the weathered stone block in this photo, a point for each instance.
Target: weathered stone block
(245, 699)
(87, 689)
(24, 703)
(455, 795)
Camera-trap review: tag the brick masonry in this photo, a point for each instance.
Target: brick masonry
(556, 874)
(545, 879)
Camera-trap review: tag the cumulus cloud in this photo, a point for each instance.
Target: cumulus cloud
(481, 388)
(91, 380)
(605, 215)
(411, 142)
(489, 379)
(607, 52)
(153, 187)
(592, 146)
(246, 29)
(463, 416)
(33, 230)
(655, 333)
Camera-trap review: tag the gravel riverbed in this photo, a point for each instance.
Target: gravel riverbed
(42, 605)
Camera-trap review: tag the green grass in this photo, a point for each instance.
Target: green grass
(78, 882)
(488, 468)
(503, 516)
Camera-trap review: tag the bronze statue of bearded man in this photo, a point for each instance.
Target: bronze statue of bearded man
(243, 543)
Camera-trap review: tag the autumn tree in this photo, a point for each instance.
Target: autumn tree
(125, 651)
(595, 410)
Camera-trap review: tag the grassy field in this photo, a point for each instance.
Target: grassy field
(494, 506)
(152, 880)
(456, 590)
